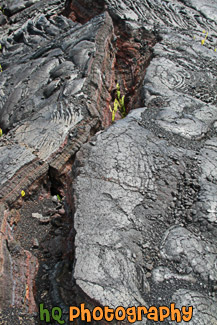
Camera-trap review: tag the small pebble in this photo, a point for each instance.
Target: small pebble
(61, 211)
(35, 243)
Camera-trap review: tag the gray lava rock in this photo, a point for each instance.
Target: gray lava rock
(129, 163)
(145, 188)
(204, 308)
(179, 244)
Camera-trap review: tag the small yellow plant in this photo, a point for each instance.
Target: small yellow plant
(23, 193)
(121, 101)
(114, 110)
(2, 10)
(118, 104)
(1, 132)
(1, 68)
(203, 40)
(58, 197)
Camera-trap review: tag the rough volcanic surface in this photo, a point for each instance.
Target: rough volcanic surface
(51, 68)
(145, 190)
(137, 224)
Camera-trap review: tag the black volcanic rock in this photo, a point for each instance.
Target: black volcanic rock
(144, 189)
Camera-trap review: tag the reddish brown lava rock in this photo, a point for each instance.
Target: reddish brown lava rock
(125, 62)
(18, 269)
(83, 11)
(132, 58)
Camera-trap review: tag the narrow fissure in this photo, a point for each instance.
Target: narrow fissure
(133, 52)
(133, 55)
